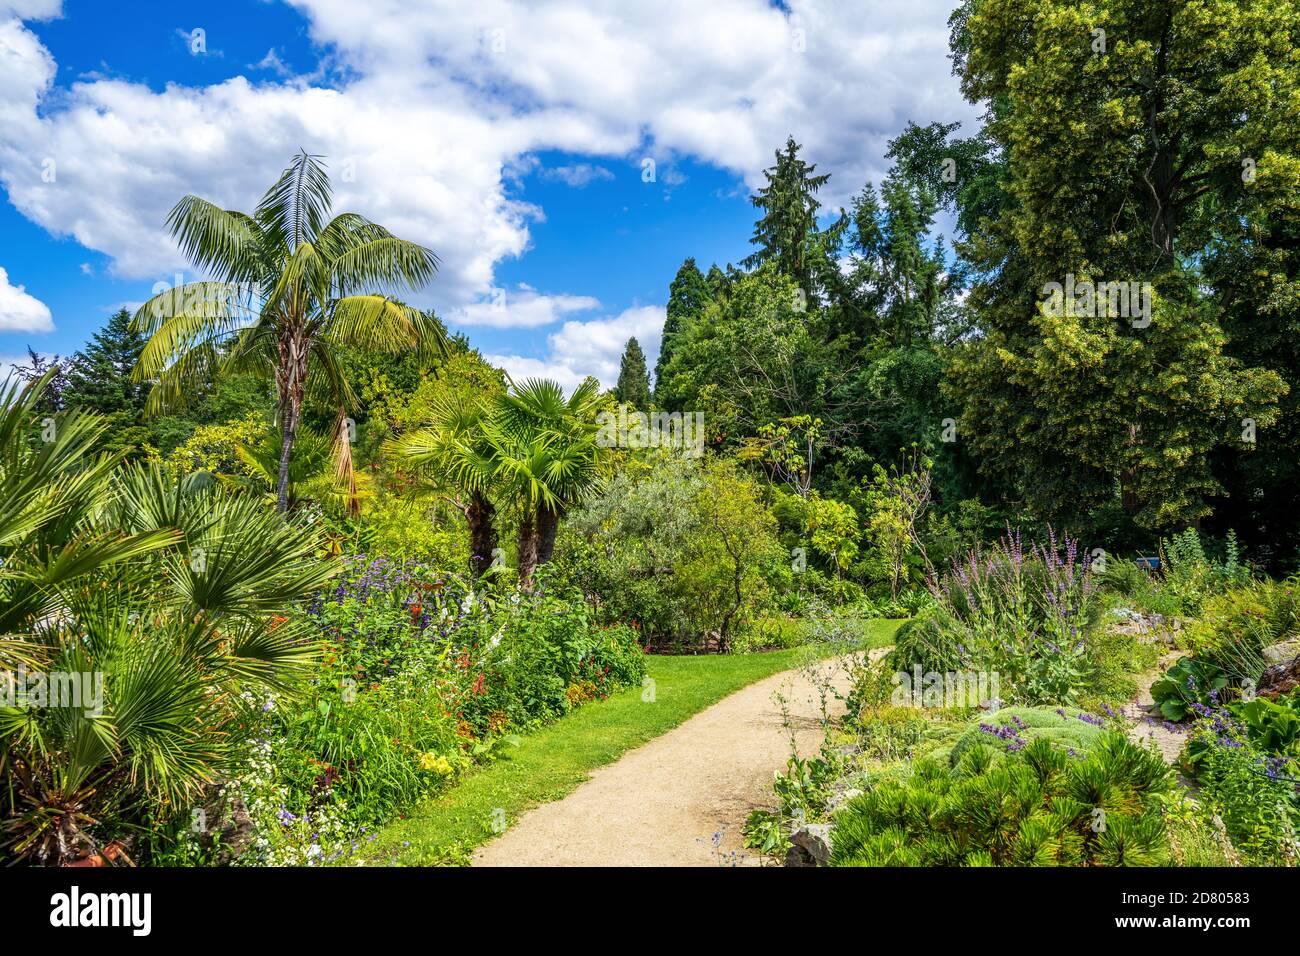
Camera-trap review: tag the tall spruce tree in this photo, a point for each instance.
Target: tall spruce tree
(786, 232)
(687, 295)
(633, 379)
(99, 378)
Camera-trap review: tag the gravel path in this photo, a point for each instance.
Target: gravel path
(681, 799)
(1145, 720)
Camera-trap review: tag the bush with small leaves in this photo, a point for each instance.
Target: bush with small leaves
(1036, 806)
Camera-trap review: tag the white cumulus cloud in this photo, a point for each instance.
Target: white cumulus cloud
(446, 98)
(578, 349)
(20, 311)
(523, 308)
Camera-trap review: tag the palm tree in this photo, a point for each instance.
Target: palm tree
(149, 595)
(561, 463)
(454, 449)
(532, 450)
(289, 289)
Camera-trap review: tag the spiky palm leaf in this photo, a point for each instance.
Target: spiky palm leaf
(291, 287)
(156, 591)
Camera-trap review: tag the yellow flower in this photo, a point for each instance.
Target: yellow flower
(436, 763)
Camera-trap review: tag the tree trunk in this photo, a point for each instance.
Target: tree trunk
(481, 515)
(288, 434)
(548, 526)
(527, 548)
(291, 376)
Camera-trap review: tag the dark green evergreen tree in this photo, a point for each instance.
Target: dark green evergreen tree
(787, 230)
(633, 380)
(687, 295)
(99, 378)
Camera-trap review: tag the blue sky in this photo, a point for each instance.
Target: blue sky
(509, 137)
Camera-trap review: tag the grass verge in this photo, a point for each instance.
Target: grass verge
(551, 762)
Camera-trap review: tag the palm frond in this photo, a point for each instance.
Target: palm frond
(294, 209)
(223, 242)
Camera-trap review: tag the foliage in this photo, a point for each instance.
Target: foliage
(415, 528)
(684, 549)
(154, 596)
(1191, 105)
(1037, 806)
(215, 448)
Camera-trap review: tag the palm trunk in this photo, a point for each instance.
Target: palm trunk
(288, 435)
(548, 526)
(481, 515)
(527, 548)
(291, 378)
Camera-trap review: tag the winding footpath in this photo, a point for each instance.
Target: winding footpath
(682, 798)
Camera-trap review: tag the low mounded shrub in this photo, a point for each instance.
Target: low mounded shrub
(1013, 728)
(1036, 806)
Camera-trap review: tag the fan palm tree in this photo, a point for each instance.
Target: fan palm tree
(551, 453)
(289, 289)
(454, 448)
(530, 450)
(149, 599)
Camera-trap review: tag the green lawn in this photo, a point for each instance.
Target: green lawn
(551, 762)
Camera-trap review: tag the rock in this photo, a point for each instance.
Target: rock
(838, 800)
(1279, 679)
(227, 827)
(1283, 652)
(811, 845)
(1147, 628)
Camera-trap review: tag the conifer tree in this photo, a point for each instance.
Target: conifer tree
(633, 380)
(788, 225)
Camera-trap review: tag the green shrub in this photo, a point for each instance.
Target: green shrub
(685, 548)
(1013, 728)
(1188, 682)
(1033, 807)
